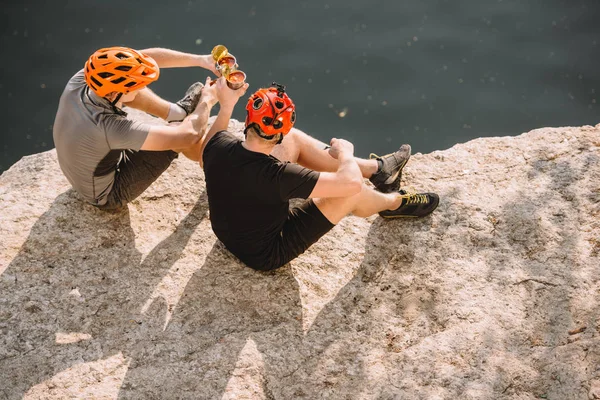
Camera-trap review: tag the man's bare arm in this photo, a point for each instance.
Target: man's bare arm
(185, 136)
(220, 124)
(347, 180)
(180, 137)
(162, 137)
(199, 120)
(166, 58)
(227, 100)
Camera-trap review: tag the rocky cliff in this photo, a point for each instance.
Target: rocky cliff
(494, 296)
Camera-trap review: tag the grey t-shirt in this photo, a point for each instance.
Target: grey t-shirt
(91, 138)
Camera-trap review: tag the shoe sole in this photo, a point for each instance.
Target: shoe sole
(411, 216)
(403, 216)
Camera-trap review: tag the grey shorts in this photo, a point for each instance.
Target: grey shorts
(135, 174)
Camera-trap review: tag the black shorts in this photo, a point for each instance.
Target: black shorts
(135, 173)
(304, 226)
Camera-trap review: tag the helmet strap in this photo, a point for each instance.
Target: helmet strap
(116, 100)
(251, 126)
(116, 109)
(258, 131)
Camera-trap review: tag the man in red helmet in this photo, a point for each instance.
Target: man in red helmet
(249, 183)
(108, 158)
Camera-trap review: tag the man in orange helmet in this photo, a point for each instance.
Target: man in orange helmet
(249, 183)
(108, 158)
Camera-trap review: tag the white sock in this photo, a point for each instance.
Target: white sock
(176, 113)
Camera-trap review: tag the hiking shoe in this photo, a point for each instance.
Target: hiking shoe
(413, 205)
(387, 178)
(191, 98)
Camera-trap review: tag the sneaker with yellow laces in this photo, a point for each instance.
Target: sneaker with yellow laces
(389, 172)
(413, 205)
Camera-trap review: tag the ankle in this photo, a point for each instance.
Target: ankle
(176, 113)
(370, 167)
(395, 200)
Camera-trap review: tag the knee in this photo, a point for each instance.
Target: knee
(298, 138)
(296, 132)
(292, 137)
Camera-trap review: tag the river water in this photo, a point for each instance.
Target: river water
(431, 73)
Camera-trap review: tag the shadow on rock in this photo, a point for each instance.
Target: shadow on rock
(549, 267)
(375, 336)
(238, 332)
(75, 290)
(231, 323)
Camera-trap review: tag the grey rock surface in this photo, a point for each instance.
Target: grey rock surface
(494, 296)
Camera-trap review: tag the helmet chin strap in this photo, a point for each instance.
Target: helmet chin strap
(116, 100)
(262, 135)
(116, 109)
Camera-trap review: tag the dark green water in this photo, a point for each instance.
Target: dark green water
(431, 73)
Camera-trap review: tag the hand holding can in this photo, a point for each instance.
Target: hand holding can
(226, 64)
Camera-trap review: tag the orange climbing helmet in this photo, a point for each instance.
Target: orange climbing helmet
(272, 110)
(119, 69)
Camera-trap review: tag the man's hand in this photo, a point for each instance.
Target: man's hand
(209, 93)
(340, 148)
(347, 180)
(207, 62)
(228, 97)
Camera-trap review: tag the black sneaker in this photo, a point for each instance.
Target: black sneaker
(191, 98)
(387, 179)
(413, 205)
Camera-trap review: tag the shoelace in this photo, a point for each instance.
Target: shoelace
(415, 198)
(374, 156)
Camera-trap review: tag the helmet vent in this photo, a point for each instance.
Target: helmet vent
(293, 117)
(257, 104)
(123, 68)
(130, 84)
(279, 104)
(267, 120)
(105, 74)
(103, 56)
(118, 80)
(95, 81)
(121, 56)
(277, 124)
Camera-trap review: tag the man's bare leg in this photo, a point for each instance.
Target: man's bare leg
(311, 153)
(192, 152)
(363, 204)
(148, 101)
(200, 123)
